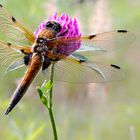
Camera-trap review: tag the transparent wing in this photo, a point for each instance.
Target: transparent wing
(98, 42)
(10, 53)
(15, 65)
(14, 30)
(86, 72)
(109, 40)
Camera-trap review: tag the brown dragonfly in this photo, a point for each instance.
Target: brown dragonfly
(23, 48)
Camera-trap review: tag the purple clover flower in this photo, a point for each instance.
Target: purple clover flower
(68, 24)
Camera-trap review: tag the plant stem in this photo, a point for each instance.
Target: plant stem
(50, 103)
(53, 124)
(51, 82)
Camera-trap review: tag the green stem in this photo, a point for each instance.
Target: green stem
(50, 103)
(51, 81)
(53, 124)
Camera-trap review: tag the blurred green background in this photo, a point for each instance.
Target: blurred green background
(91, 112)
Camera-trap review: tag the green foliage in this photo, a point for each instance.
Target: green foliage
(43, 92)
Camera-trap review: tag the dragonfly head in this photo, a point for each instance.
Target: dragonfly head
(54, 26)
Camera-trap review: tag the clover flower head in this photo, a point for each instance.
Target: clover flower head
(67, 24)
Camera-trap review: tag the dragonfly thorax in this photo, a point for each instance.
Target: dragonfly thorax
(40, 46)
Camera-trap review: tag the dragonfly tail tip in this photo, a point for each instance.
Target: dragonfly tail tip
(7, 111)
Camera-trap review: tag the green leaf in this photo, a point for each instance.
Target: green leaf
(43, 98)
(46, 86)
(43, 90)
(40, 92)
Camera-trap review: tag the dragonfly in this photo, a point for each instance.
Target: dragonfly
(22, 48)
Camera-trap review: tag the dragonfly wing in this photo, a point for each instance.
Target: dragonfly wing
(14, 30)
(108, 41)
(73, 71)
(10, 53)
(101, 42)
(15, 65)
(89, 52)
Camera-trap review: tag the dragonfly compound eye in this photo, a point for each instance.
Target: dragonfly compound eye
(53, 26)
(49, 24)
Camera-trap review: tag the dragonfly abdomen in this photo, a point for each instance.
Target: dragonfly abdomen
(34, 67)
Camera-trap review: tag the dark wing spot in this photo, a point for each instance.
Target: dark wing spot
(122, 31)
(9, 44)
(1, 5)
(22, 51)
(13, 19)
(115, 66)
(91, 36)
(81, 61)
